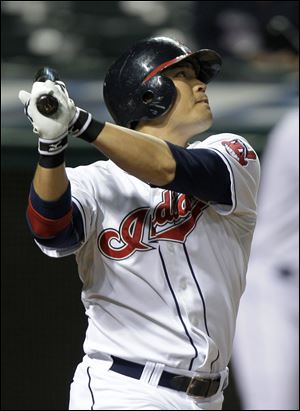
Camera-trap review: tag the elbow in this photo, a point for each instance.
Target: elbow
(166, 172)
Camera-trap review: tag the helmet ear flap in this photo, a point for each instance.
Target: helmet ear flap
(156, 97)
(148, 97)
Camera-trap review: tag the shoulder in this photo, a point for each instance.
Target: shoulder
(217, 138)
(233, 146)
(244, 168)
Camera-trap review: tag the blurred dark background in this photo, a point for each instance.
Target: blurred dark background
(42, 318)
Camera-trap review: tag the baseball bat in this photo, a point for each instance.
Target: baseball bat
(47, 104)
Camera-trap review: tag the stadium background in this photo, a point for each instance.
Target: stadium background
(42, 318)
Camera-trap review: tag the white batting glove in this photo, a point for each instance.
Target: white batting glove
(52, 130)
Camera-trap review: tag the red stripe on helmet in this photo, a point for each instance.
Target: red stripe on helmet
(165, 65)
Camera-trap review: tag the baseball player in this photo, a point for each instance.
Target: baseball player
(161, 231)
(268, 320)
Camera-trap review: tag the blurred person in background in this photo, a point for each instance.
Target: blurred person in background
(266, 346)
(258, 32)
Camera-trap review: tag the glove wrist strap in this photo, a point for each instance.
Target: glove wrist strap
(52, 147)
(52, 152)
(85, 127)
(52, 161)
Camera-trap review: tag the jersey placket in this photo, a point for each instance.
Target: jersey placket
(186, 299)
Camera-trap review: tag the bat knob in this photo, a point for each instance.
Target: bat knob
(47, 105)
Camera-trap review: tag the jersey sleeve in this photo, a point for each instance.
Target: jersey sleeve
(243, 165)
(82, 192)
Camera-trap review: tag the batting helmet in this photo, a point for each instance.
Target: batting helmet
(135, 87)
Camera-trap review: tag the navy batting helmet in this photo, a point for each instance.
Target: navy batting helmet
(135, 87)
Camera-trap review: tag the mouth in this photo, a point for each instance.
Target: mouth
(203, 100)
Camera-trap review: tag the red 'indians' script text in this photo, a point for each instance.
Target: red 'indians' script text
(173, 219)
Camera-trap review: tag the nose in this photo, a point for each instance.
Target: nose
(199, 87)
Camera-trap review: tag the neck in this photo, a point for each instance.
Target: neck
(166, 133)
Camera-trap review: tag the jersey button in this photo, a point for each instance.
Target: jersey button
(194, 319)
(170, 247)
(183, 284)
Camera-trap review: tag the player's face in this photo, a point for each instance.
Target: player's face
(191, 108)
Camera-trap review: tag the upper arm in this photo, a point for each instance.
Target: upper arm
(243, 166)
(201, 173)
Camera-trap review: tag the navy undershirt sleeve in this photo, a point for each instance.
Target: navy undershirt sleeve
(200, 173)
(51, 209)
(71, 236)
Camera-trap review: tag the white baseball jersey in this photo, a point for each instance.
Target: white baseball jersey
(162, 272)
(268, 320)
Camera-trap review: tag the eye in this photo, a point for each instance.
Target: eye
(181, 73)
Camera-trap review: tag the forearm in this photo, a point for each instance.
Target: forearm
(146, 157)
(50, 180)
(52, 217)
(50, 183)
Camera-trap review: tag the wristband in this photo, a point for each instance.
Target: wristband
(84, 126)
(52, 152)
(52, 161)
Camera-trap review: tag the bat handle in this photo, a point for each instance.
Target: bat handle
(46, 104)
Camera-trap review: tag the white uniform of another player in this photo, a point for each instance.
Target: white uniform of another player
(162, 277)
(268, 320)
